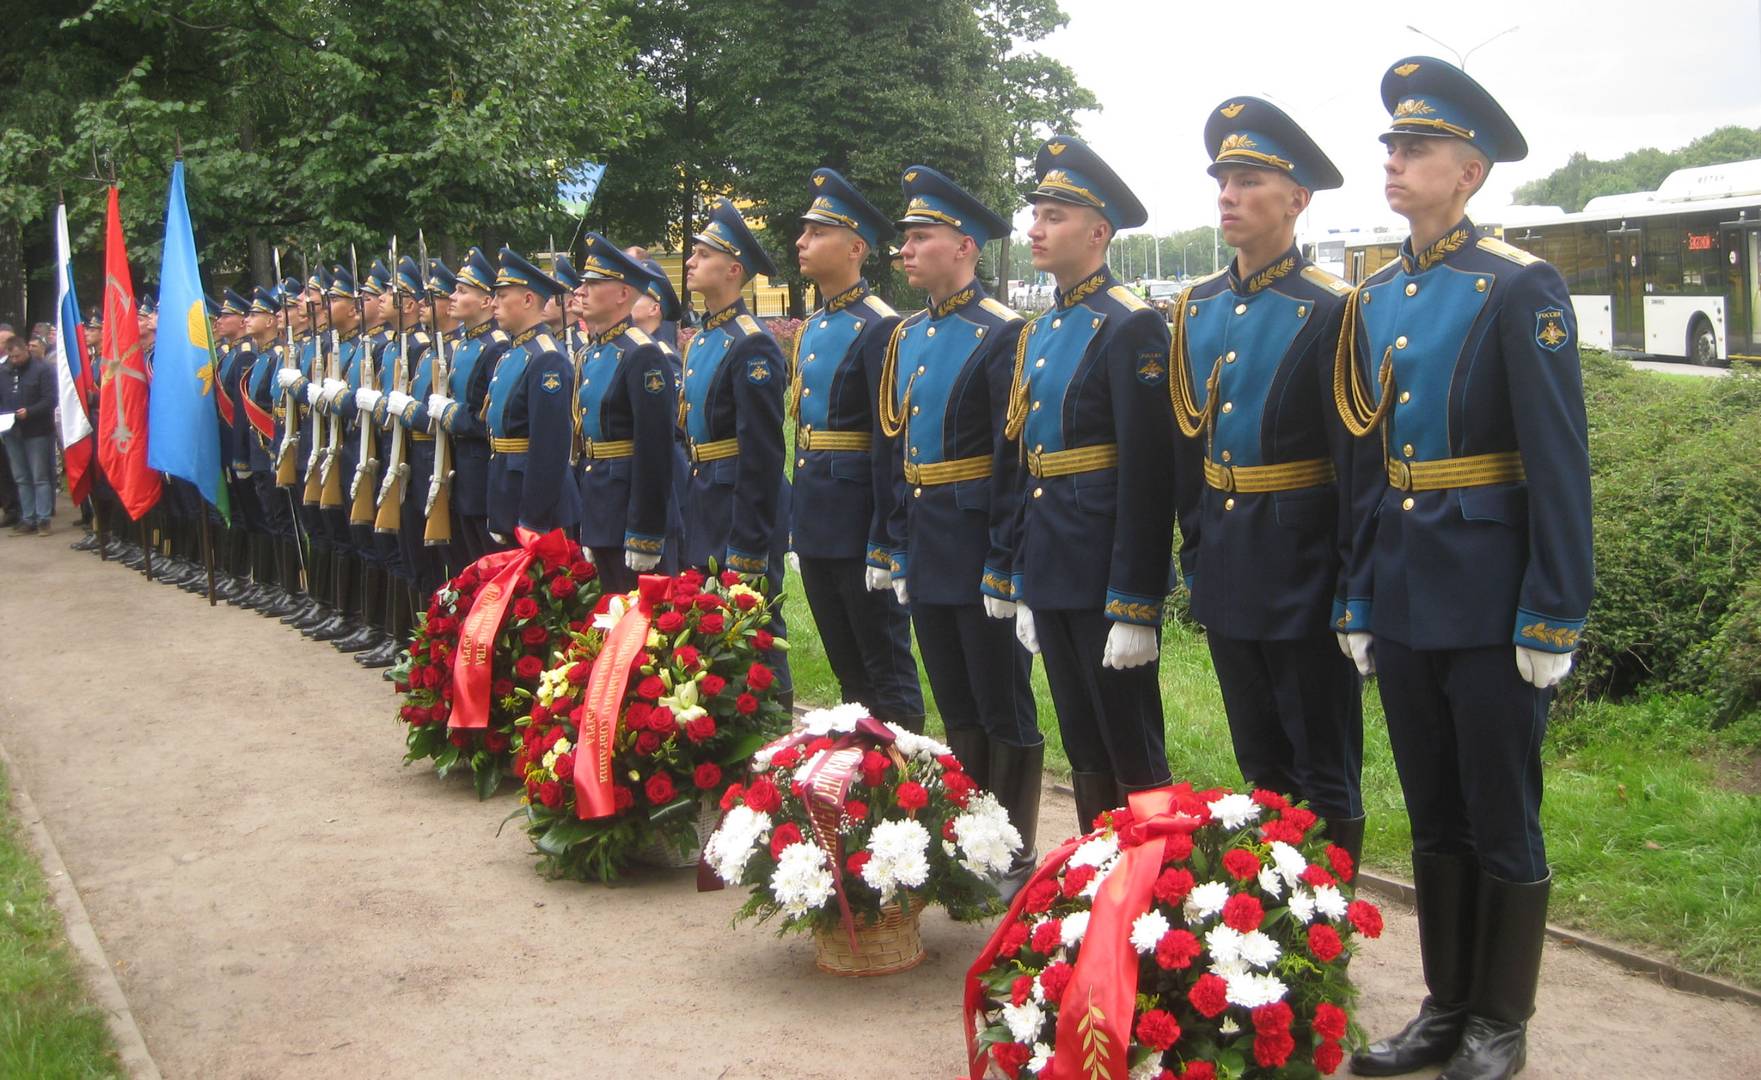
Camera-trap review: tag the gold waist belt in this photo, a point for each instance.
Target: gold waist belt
(421, 436)
(1068, 462)
(607, 449)
(1285, 476)
(947, 472)
(1476, 470)
(714, 451)
(806, 439)
(509, 446)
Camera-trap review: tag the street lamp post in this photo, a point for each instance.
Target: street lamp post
(1461, 58)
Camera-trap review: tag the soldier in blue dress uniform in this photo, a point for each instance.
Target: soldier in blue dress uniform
(627, 398)
(658, 314)
(301, 299)
(944, 395)
(265, 327)
(354, 559)
(374, 646)
(425, 563)
(1470, 572)
(1097, 510)
(233, 346)
(848, 492)
(529, 410)
(734, 503)
(1261, 541)
(460, 404)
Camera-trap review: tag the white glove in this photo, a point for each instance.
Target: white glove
(639, 562)
(241, 472)
(999, 609)
(877, 578)
(397, 401)
(587, 554)
(1358, 648)
(313, 390)
(1542, 669)
(792, 561)
(334, 389)
(437, 404)
(286, 377)
(899, 591)
(367, 397)
(1129, 646)
(1024, 630)
(498, 538)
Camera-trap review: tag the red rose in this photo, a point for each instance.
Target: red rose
(1269, 799)
(1010, 1057)
(786, 758)
(581, 570)
(857, 810)
(1241, 865)
(534, 635)
(759, 677)
(1324, 942)
(712, 685)
(1157, 1028)
(565, 764)
(763, 640)
(495, 741)
(913, 797)
(525, 607)
(745, 704)
(701, 728)
(501, 687)
(659, 789)
(1055, 978)
(1274, 1018)
(622, 798)
(1272, 1051)
(745, 601)
(763, 796)
(670, 623)
(1316, 875)
(1013, 938)
(1209, 995)
(1172, 886)
(562, 586)
(707, 775)
(1243, 912)
(1048, 936)
(874, 768)
(731, 797)
(693, 578)
(1178, 849)
(540, 714)
(579, 672)
(550, 793)
(1366, 916)
(1021, 989)
(856, 862)
(1076, 879)
(687, 657)
(1330, 1021)
(522, 586)
(647, 743)
(1328, 1055)
(1040, 896)
(1199, 1070)
(651, 687)
(438, 713)
(785, 834)
(706, 602)
(1177, 950)
(528, 667)
(1340, 860)
(712, 623)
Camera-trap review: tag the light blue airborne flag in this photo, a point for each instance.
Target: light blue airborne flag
(578, 187)
(183, 425)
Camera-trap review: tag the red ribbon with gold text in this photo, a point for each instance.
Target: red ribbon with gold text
(596, 721)
(473, 666)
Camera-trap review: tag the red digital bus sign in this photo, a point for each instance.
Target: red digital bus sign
(1699, 241)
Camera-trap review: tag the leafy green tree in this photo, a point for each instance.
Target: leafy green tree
(1583, 178)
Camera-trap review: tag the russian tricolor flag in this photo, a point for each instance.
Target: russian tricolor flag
(73, 369)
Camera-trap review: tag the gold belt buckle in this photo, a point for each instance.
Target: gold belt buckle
(1400, 473)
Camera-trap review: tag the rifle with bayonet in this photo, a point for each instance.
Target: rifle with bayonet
(366, 479)
(287, 455)
(330, 476)
(437, 509)
(314, 492)
(391, 488)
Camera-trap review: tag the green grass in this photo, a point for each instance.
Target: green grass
(47, 1027)
(1647, 845)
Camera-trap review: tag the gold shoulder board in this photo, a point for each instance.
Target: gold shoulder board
(546, 343)
(639, 336)
(665, 348)
(1332, 283)
(421, 337)
(748, 324)
(879, 306)
(1507, 251)
(1127, 298)
(500, 337)
(998, 308)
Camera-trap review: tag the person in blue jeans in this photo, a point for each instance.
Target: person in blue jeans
(27, 393)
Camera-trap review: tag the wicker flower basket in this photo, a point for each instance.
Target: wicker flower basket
(657, 852)
(889, 945)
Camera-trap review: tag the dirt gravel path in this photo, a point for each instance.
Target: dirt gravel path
(280, 897)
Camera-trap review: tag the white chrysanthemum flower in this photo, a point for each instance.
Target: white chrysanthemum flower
(1302, 905)
(1024, 1021)
(1234, 811)
(1095, 851)
(1093, 888)
(838, 719)
(1270, 883)
(1259, 950)
(732, 844)
(801, 882)
(1072, 928)
(1224, 944)
(1329, 902)
(913, 745)
(1147, 930)
(986, 838)
(1289, 861)
(949, 849)
(1205, 901)
(1042, 1056)
(1230, 969)
(1252, 991)
(1147, 1069)
(900, 851)
(1039, 990)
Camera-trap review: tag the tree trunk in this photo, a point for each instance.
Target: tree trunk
(12, 293)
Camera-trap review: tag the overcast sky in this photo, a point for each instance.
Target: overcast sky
(1604, 78)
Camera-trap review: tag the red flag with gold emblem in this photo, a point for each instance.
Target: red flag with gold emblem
(126, 380)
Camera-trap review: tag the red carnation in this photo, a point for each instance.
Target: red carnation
(712, 685)
(550, 793)
(651, 687)
(1241, 865)
(1272, 1051)
(1178, 849)
(713, 623)
(1324, 942)
(1328, 1055)
(856, 862)
(949, 833)
(562, 586)
(731, 797)
(525, 608)
(1209, 995)
(759, 677)
(687, 657)
(1055, 978)
(700, 729)
(785, 834)
(745, 704)
(763, 640)
(763, 796)
(1076, 879)
(874, 767)
(670, 623)
(1281, 830)
(528, 667)
(960, 787)
(1316, 875)
(857, 810)
(707, 775)
(1340, 860)
(1172, 886)
(1013, 938)
(1048, 936)
(1274, 1018)
(1177, 950)
(745, 601)
(1040, 896)
(1366, 916)
(659, 789)
(1243, 912)
(1330, 1021)
(622, 798)
(1157, 1028)
(1301, 818)
(912, 796)
(1021, 989)
(1199, 1070)
(1269, 799)
(786, 758)
(1010, 1057)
